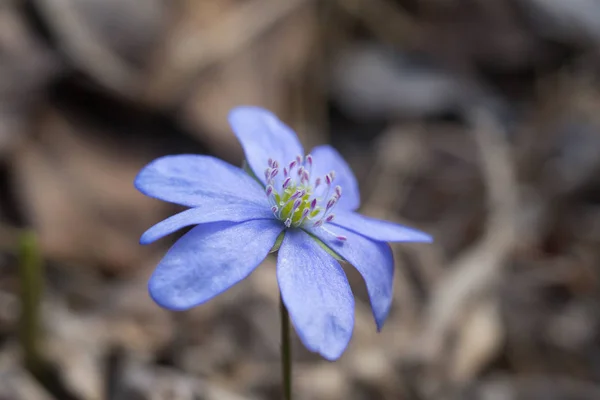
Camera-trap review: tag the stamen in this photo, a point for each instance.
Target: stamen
(331, 203)
(295, 199)
(305, 176)
(342, 238)
(338, 191)
(309, 160)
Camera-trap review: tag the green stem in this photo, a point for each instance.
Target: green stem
(31, 286)
(286, 352)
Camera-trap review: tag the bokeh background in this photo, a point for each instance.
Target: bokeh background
(475, 120)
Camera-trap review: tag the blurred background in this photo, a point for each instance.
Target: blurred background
(477, 121)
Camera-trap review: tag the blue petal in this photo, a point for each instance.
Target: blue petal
(377, 229)
(374, 261)
(200, 215)
(316, 293)
(326, 159)
(196, 180)
(210, 259)
(264, 136)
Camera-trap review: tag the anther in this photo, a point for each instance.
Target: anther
(269, 190)
(328, 179)
(285, 171)
(309, 160)
(330, 218)
(274, 173)
(318, 223)
(317, 182)
(297, 204)
(270, 162)
(288, 222)
(313, 204)
(305, 176)
(274, 209)
(287, 182)
(299, 159)
(275, 164)
(338, 191)
(341, 238)
(331, 202)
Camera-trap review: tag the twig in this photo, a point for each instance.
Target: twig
(479, 267)
(87, 51)
(185, 58)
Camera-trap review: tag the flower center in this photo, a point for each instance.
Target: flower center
(296, 198)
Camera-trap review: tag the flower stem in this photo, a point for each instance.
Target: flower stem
(286, 352)
(31, 282)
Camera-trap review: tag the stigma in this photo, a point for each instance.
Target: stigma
(298, 199)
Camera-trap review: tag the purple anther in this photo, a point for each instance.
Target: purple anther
(342, 238)
(270, 162)
(331, 202)
(300, 171)
(299, 159)
(328, 179)
(297, 204)
(274, 209)
(309, 160)
(267, 173)
(338, 191)
(285, 171)
(317, 182)
(274, 173)
(329, 218)
(305, 176)
(305, 213)
(299, 193)
(287, 182)
(318, 223)
(313, 204)
(275, 164)
(292, 165)
(269, 190)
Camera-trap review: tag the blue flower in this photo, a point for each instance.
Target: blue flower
(309, 200)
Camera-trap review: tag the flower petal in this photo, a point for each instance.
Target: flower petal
(326, 159)
(264, 136)
(315, 290)
(375, 262)
(201, 215)
(376, 229)
(197, 180)
(208, 260)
